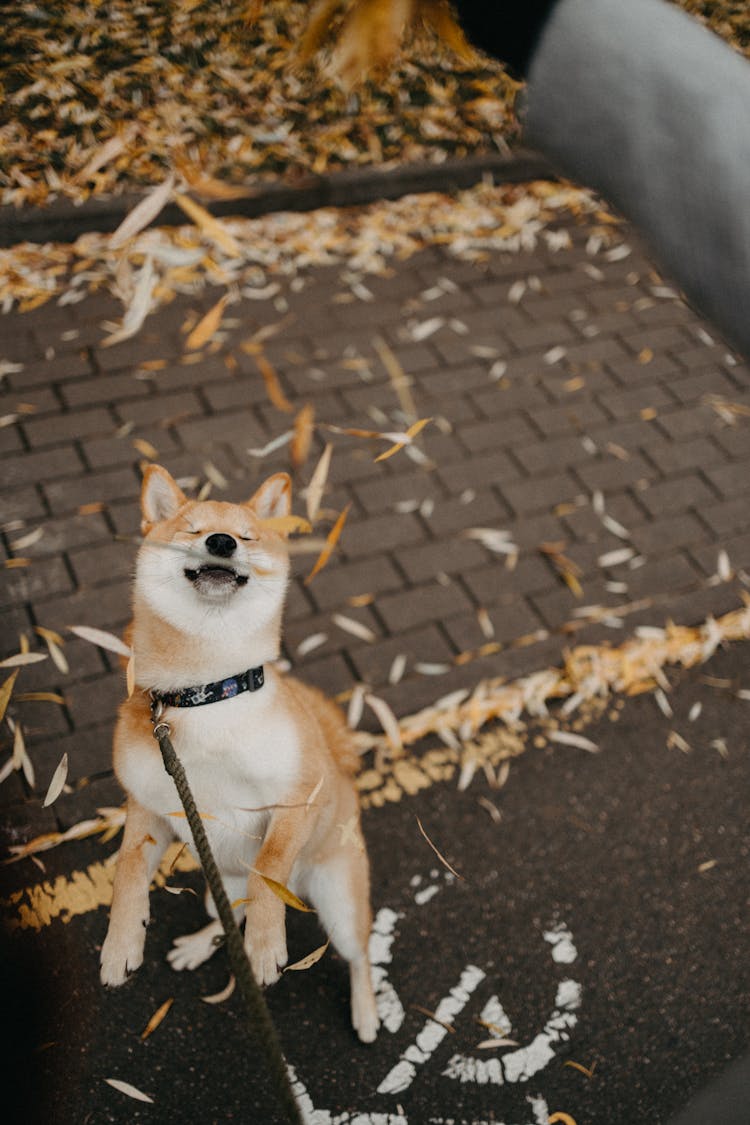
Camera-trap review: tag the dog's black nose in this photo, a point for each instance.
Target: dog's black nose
(223, 546)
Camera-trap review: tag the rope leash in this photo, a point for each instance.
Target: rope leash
(259, 1016)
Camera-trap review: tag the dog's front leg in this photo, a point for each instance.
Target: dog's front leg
(144, 840)
(265, 929)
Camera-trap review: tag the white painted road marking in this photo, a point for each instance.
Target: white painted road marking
(432, 1034)
(512, 1067)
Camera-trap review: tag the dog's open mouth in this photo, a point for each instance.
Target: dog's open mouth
(214, 577)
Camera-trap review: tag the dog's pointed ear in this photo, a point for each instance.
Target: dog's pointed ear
(273, 498)
(161, 496)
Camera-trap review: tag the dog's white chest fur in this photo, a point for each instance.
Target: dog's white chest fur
(241, 756)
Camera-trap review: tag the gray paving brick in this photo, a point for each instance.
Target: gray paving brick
(631, 372)
(359, 314)
(613, 473)
(701, 356)
(728, 517)
(331, 675)
(65, 534)
(496, 584)
(510, 621)
(43, 578)
(427, 644)
(584, 523)
(95, 702)
(657, 338)
(106, 485)
(42, 465)
(10, 440)
(351, 463)
(514, 430)
(57, 369)
(626, 404)
(103, 564)
(504, 398)
(106, 452)
(703, 452)
(334, 586)
(540, 335)
(737, 548)
(149, 345)
(162, 411)
(577, 413)
(106, 607)
(239, 427)
(473, 508)
(60, 428)
(730, 480)
(447, 556)
(544, 456)
(422, 604)
(383, 492)
(454, 379)
(677, 494)
(540, 493)
(102, 389)
(477, 472)
(733, 440)
(381, 533)
(15, 621)
(20, 504)
(89, 752)
(691, 388)
(669, 533)
(670, 574)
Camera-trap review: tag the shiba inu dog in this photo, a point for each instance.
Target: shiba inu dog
(269, 759)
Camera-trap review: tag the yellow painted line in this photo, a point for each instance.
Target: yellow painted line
(69, 896)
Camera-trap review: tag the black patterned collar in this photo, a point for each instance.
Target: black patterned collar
(251, 680)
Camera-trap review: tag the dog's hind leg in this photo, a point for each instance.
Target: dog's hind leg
(339, 890)
(191, 950)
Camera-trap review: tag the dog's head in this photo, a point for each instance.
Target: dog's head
(198, 556)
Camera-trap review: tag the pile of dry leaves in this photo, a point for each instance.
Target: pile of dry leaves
(101, 97)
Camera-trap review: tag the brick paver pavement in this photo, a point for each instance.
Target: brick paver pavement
(597, 413)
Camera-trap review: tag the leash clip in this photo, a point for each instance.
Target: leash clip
(157, 710)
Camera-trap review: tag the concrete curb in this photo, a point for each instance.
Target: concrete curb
(62, 221)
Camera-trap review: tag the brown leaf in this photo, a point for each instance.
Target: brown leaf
(157, 1018)
(302, 435)
(207, 325)
(273, 386)
(282, 892)
(308, 961)
(411, 433)
(212, 228)
(332, 539)
(6, 690)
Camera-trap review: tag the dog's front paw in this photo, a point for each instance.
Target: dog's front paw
(119, 958)
(267, 955)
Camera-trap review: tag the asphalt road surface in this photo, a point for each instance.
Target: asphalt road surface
(600, 924)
